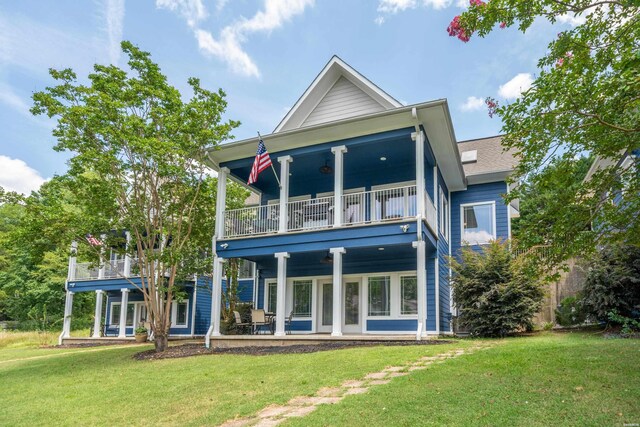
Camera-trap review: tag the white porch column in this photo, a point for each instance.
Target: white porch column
(71, 273)
(68, 308)
(216, 296)
(221, 200)
(98, 315)
(281, 286)
(103, 264)
(420, 185)
(127, 258)
(124, 302)
(336, 330)
(421, 276)
(338, 184)
(284, 192)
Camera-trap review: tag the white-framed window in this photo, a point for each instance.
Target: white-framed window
(478, 223)
(271, 297)
(179, 314)
(444, 214)
(379, 290)
(115, 314)
(302, 297)
(408, 295)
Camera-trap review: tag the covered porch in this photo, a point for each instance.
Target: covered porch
(359, 285)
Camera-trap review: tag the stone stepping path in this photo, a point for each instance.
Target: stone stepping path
(301, 406)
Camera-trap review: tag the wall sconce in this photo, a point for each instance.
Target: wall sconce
(224, 245)
(404, 228)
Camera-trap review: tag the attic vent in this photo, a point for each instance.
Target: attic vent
(469, 156)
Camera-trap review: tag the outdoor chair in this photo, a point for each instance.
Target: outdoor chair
(287, 323)
(239, 323)
(258, 320)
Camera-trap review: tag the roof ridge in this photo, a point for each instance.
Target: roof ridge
(479, 139)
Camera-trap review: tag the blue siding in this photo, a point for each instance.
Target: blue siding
(475, 194)
(136, 296)
(443, 273)
(397, 325)
(203, 305)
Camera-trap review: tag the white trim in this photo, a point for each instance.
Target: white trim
(174, 314)
(451, 303)
(443, 213)
(508, 216)
(495, 231)
(323, 82)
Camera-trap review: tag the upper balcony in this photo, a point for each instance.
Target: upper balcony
(395, 203)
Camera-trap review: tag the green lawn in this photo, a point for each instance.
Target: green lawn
(544, 380)
(548, 380)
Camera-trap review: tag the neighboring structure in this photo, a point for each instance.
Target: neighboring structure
(373, 196)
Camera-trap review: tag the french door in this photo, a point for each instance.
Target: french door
(351, 301)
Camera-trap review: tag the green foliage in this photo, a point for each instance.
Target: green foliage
(139, 154)
(629, 326)
(495, 294)
(613, 283)
(570, 312)
(585, 98)
(546, 196)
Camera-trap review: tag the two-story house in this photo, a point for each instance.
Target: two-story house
(366, 200)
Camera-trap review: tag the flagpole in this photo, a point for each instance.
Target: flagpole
(272, 168)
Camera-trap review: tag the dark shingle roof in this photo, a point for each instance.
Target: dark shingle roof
(490, 156)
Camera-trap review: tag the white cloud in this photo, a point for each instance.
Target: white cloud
(228, 49)
(514, 87)
(472, 103)
(572, 19)
(16, 175)
(114, 15)
(220, 4)
(462, 4)
(11, 99)
(395, 6)
(437, 4)
(193, 11)
(228, 46)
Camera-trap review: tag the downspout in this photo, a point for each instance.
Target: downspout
(207, 337)
(193, 305)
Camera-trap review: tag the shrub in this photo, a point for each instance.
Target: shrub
(613, 283)
(629, 325)
(495, 294)
(570, 312)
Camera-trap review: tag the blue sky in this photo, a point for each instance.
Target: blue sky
(263, 53)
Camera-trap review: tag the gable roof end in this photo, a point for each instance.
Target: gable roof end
(336, 75)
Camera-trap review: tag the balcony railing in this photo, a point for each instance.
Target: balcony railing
(364, 207)
(89, 271)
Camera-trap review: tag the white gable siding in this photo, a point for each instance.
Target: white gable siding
(343, 100)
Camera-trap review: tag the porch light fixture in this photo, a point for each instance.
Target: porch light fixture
(381, 249)
(326, 169)
(383, 159)
(328, 259)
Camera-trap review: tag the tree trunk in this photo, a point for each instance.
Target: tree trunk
(161, 342)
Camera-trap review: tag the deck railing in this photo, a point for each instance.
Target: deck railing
(388, 204)
(90, 271)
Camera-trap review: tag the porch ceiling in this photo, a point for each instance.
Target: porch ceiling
(362, 164)
(310, 263)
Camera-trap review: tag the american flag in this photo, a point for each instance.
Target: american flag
(261, 162)
(92, 240)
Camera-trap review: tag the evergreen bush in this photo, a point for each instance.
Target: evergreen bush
(496, 294)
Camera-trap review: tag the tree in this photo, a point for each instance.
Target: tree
(544, 197)
(138, 164)
(586, 98)
(613, 283)
(33, 259)
(495, 294)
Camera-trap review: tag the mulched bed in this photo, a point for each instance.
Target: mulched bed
(187, 350)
